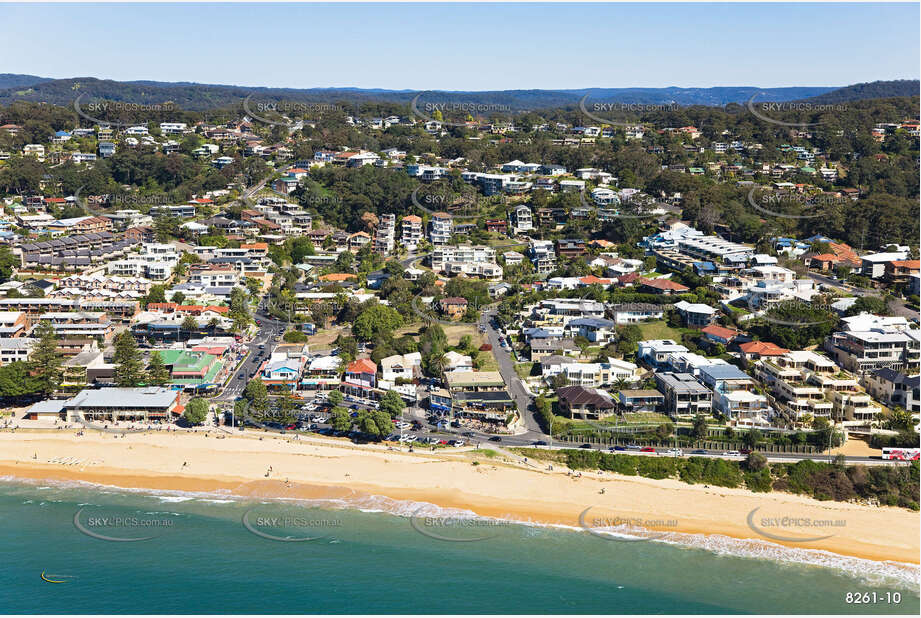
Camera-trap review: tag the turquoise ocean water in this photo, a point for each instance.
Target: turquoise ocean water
(215, 554)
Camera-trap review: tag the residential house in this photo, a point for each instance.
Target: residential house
(585, 402)
(454, 307)
(695, 315)
(684, 395)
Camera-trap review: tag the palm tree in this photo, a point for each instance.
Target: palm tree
(438, 364)
(188, 324)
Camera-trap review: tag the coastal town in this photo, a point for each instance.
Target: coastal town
(511, 309)
(535, 302)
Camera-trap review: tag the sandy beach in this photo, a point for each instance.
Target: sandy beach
(501, 485)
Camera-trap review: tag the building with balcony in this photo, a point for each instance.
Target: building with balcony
(684, 395)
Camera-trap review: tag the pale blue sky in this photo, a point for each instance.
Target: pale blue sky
(466, 46)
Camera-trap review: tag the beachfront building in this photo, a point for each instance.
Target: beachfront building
(323, 373)
(734, 394)
(360, 378)
(149, 403)
(585, 402)
(684, 395)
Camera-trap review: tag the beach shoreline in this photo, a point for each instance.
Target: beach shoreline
(259, 465)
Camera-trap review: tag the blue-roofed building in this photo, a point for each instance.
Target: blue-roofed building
(704, 268)
(734, 394)
(596, 330)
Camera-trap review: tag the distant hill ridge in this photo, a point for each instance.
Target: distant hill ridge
(197, 97)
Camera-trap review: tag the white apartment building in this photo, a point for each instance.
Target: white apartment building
(543, 255)
(864, 351)
(15, 350)
(384, 237)
(155, 261)
(521, 219)
(411, 231)
(441, 227)
(461, 253)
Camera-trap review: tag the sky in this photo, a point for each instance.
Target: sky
(466, 46)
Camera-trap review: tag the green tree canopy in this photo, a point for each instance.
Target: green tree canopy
(196, 411)
(129, 364)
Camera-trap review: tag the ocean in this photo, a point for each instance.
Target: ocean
(212, 553)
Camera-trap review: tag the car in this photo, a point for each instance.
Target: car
(467, 434)
(648, 449)
(291, 426)
(495, 439)
(699, 451)
(745, 451)
(618, 448)
(732, 454)
(586, 445)
(240, 376)
(459, 443)
(538, 443)
(674, 452)
(633, 447)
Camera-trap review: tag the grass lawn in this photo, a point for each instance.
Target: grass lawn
(524, 369)
(659, 329)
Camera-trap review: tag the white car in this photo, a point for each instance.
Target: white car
(459, 443)
(732, 454)
(674, 452)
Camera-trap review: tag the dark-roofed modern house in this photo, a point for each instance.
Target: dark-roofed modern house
(585, 402)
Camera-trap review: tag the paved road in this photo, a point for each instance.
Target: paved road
(516, 389)
(269, 329)
(896, 306)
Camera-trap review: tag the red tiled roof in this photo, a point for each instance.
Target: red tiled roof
(762, 348)
(454, 300)
(914, 264)
(362, 365)
(162, 306)
(825, 257)
(664, 284)
(719, 331)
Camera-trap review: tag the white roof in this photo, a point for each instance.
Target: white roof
(885, 257)
(325, 363)
(695, 307)
(870, 321)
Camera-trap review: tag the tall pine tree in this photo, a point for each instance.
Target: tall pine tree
(46, 361)
(129, 366)
(157, 373)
